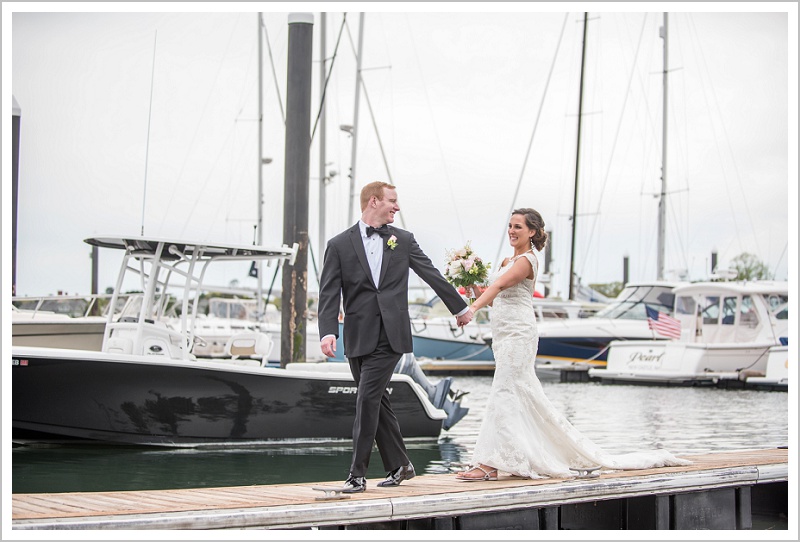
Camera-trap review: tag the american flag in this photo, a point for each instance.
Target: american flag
(663, 323)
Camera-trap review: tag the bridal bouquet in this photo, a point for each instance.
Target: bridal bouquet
(466, 269)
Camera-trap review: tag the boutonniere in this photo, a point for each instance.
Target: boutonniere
(392, 242)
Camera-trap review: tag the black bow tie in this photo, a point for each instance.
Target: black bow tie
(383, 231)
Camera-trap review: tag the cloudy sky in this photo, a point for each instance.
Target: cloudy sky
(147, 120)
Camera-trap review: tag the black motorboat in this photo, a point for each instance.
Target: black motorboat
(146, 388)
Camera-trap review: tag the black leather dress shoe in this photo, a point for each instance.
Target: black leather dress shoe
(355, 484)
(394, 478)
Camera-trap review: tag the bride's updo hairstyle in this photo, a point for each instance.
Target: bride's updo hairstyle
(534, 221)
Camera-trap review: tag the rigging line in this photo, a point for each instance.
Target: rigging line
(328, 77)
(674, 216)
(372, 117)
(375, 126)
(149, 120)
(205, 183)
(435, 131)
(684, 141)
(274, 75)
(727, 139)
(533, 133)
(614, 144)
(234, 182)
(176, 183)
(780, 260)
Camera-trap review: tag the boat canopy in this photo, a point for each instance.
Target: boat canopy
(734, 288)
(175, 249)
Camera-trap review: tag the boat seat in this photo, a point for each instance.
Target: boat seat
(249, 343)
(119, 345)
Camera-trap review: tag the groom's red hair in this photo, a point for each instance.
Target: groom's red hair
(373, 189)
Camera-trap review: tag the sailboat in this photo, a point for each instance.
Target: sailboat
(568, 349)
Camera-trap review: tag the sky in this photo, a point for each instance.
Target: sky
(143, 117)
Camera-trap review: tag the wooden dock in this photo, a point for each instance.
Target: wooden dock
(718, 491)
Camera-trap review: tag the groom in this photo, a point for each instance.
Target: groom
(367, 267)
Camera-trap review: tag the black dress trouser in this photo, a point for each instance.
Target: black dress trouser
(375, 421)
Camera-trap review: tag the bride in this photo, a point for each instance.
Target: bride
(522, 433)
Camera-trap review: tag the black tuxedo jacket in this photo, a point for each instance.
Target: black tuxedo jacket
(346, 276)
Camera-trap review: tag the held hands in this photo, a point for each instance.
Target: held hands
(465, 318)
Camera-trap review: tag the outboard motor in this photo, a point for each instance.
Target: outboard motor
(440, 394)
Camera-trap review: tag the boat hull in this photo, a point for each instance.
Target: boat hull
(586, 341)
(191, 403)
(589, 350)
(676, 363)
(776, 376)
(437, 340)
(77, 334)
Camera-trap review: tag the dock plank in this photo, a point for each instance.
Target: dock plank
(412, 497)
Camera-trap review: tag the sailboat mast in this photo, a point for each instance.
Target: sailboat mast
(354, 129)
(260, 226)
(662, 202)
(577, 167)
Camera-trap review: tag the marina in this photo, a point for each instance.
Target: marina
(718, 491)
(167, 413)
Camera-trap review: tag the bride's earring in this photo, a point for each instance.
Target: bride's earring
(531, 240)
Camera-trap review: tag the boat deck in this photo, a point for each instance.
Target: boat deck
(426, 496)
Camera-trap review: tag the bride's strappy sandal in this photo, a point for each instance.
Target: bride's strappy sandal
(488, 476)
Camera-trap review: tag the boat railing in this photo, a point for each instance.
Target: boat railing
(74, 306)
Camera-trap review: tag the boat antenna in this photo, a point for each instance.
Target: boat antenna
(149, 118)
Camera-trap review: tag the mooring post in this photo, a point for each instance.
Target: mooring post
(15, 127)
(294, 308)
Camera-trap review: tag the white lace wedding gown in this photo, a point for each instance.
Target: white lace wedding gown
(522, 433)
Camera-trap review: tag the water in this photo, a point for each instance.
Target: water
(619, 418)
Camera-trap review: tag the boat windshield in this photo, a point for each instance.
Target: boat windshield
(778, 305)
(231, 309)
(133, 306)
(630, 303)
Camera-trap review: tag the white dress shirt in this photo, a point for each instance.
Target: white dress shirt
(373, 246)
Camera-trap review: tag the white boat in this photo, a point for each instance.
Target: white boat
(578, 344)
(728, 331)
(440, 346)
(227, 317)
(62, 321)
(776, 376)
(146, 387)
